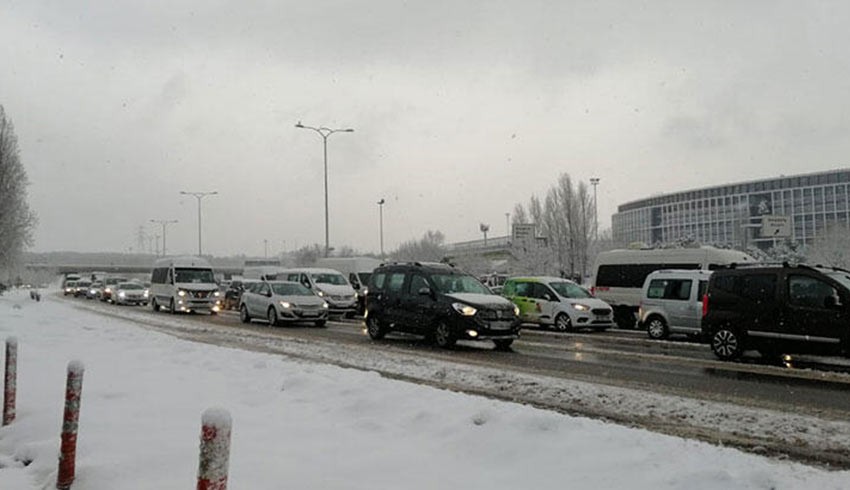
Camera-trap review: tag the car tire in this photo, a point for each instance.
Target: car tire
(656, 328)
(172, 307)
(271, 316)
(243, 314)
(563, 323)
(727, 344)
(443, 335)
(375, 327)
(503, 344)
(320, 323)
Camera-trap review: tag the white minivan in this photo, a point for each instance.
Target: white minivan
(331, 285)
(184, 284)
(671, 302)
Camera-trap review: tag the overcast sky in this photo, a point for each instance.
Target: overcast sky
(460, 110)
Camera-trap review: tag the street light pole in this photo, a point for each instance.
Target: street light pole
(164, 223)
(381, 221)
(484, 229)
(199, 196)
(594, 181)
(325, 133)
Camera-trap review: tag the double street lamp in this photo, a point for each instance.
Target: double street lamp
(164, 223)
(199, 196)
(325, 133)
(381, 221)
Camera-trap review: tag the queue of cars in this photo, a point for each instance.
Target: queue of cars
(116, 290)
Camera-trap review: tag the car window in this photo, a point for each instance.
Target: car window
(305, 280)
(509, 289)
(291, 289)
(676, 289)
(417, 282)
(656, 289)
(570, 290)
(377, 281)
(541, 291)
(523, 289)
(264, 289)
(703, 286)
(810, 292)
(395, 282)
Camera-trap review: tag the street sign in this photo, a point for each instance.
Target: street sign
(775, 227)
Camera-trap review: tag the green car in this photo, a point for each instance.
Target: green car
(552, 302)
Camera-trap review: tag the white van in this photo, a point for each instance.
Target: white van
(618, 275)
(184, 284)
(358, 270)
(671, 302)
(331, 285)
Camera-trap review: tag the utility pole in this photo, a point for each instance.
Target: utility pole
(594, 181)
(163, 223)
(199, 196)
(381, 223)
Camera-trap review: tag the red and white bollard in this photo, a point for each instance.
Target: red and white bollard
(10, 385)
(215, 449)
(70, 421)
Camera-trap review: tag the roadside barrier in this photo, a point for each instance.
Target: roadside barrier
(215, 449)
(70, 422)
(10, 385)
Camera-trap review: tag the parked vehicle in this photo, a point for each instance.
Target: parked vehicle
(282, 301)
(184, 284)
(619, 275)
(358, 270)
(671, 302)
(130, 293)
(439, 302)
(332, 286)
(777, 310)
(557, 303)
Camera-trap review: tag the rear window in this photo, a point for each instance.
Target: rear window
(632, 275)
(677, 289)
(754, 287)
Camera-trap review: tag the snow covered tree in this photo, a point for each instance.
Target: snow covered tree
(429, 248)
(16, 219)
(831, 247)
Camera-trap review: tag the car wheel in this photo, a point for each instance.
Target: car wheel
(727, 344)
(320, 323)
(171, 307)
(443, 336)
(656, 328)
(272, 316)
(375, 328)
(243, 314)
(503, 344)
(563, 323)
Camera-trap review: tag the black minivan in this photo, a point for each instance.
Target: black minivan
(777, 310)
(440, 302)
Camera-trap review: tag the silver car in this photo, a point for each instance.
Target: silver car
(282, 301)
(671, 302)
(130, 293)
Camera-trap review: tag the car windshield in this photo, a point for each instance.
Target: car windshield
(291, 289)
(458, 283)
(842, 277)
(569, 290)
(329, 278)
(194, 275)
(114, 280)
(130, 285)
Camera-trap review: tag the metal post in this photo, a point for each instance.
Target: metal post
(594, 181)
(325, 133)
(198, 196)
(163, 223)
(215, 449)
(11, 380)
(381, 223)
(70, 421)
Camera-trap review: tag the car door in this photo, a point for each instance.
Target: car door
(262, 299)
(392, 298)
(814, 317)
(416, 309)
(677, 301)
(524, 299)
(546, 302)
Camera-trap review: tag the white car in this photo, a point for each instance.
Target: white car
(130, 293)
(282, 301)
(557, 303)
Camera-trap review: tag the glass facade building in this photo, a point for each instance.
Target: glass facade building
(732, 215)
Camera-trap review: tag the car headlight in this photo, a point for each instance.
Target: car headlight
(286, 304)
(181, 293)
(92, 291)
(365, 291)
(464, 310)
(321, 293)
(325, 305)
(121, 294)
(216, 293)
(580, 307)
(146, 293)
(516, 310)
(107, 290)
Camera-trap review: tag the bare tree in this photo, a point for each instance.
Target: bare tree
(16, 219)
(429, 248)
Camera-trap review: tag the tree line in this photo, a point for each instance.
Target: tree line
(17, 221)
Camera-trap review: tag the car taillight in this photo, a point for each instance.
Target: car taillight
(704, 304)
(593, 290)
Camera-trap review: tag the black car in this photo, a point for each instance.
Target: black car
(439, 302)
(777, 310)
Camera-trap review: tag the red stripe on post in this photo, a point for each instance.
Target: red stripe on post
(215, 449)
(10, 385)
(70, 422)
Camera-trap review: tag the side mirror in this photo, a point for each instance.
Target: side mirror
(832, 302)
(547, 297)
(426, 291)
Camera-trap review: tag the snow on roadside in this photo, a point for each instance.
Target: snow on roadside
(303, 424)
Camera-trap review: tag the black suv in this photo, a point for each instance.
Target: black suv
(777, 310)
(440, 302)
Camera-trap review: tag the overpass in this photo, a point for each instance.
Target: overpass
(112, 268)
(494, 248)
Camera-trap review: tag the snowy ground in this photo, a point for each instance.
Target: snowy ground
(302, 424)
